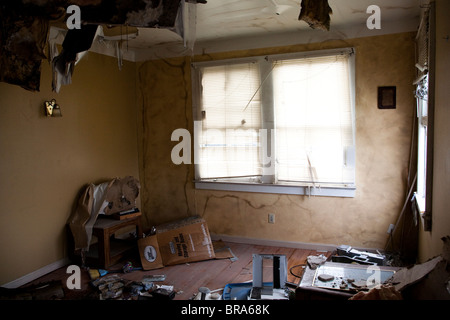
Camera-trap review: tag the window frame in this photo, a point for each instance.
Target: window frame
(423, 196)
(268, 184)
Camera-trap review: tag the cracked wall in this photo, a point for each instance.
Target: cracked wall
(382, 142)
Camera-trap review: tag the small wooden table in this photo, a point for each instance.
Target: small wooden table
(104, 229)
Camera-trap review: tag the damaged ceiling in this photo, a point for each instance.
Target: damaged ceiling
(24, 32)
(236, 24)
(148, 29)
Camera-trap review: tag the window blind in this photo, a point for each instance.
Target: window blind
(313, 116)
(231, 119)
(278, 124)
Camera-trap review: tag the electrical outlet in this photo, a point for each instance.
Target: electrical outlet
(271, 217)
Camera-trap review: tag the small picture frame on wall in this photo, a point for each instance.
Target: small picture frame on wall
(387, 97)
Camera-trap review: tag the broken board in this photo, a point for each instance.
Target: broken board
(350, 277)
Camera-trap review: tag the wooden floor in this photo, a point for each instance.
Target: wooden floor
(187, 278)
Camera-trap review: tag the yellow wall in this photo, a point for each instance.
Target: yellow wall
(44, 162)
(430, 242)
(383, 140)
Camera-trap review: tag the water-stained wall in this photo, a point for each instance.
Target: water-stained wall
(383, 139)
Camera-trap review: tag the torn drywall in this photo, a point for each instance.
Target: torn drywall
(316, 13)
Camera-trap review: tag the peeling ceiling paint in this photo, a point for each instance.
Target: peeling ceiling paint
(219, 19)
(236, 24)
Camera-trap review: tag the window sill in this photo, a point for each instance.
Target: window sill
(291, 189)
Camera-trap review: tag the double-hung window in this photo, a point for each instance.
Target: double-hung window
(276, 124)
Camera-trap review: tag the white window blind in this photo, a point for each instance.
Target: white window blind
(302, 106)
(314, 134)
(422, 108)
(231, 118)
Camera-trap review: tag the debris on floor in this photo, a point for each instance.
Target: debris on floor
(114, 287)
(97, 273)
(326, 277)
(428, 280)
(424, 281)
(409, 276)
(384, 292)
(110, 286)
(205, 293)
(350, 277)
(154, 278)
(222, 251)
(347, 254)
(315, 261)
(158, 292)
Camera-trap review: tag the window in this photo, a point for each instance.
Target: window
(425, 83)
(422, 114)
(277, 124)
(231, 122)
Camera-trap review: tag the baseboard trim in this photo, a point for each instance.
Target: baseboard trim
(37, 274)
(287, 244)
(275, 243)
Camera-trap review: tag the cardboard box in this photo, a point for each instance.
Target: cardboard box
(149, 253)
(183, 241)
